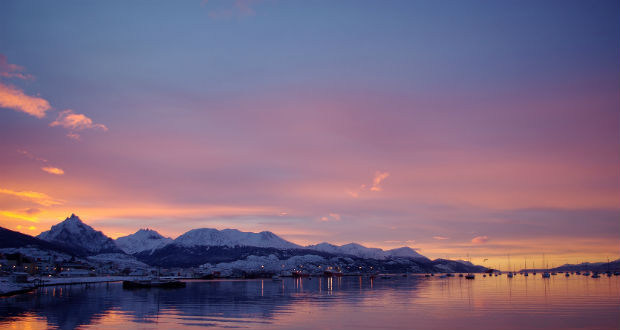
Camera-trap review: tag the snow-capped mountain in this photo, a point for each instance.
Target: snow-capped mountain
(142, 240)
(361, 251)
(353, 249)
(232, 238)
(406, 252)
(80, 237)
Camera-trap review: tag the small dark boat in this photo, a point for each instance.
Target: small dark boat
(470, 276)
(155, 283)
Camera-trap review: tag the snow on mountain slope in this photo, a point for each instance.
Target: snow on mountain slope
(142, 240)
(73, 233)
(232, 237)
(406, 252)
(353, 249)
(365, 252)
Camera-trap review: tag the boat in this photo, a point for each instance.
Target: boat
(567, 274)
(450, 275)
(153, 283)
(470, 276)
(595, 275)
(546, 275)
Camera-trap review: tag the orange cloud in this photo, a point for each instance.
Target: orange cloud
(376, 182)
(18, 216)
(31, 156)
(331, 217)
(53, 170)
(13, 98)
(480, 239)
(440, 238)
(8, 70)
(379, 176)
(33, 196)
(76, 121)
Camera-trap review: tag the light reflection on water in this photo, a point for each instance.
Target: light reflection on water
(576, 302)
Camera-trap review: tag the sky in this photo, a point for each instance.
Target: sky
(485, 129)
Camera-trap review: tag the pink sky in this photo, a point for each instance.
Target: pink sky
(361, 129)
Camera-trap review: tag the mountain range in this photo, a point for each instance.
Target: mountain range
(206, 245)
(75, 234)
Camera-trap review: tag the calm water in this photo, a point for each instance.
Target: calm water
(576, 302)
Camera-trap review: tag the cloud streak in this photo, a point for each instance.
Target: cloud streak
(480, 240)
(376, 181)
(14, 98)
(8, 70)
(53, 170)
(376, 185)
(331, 217)
(33, 196)
(76, 122)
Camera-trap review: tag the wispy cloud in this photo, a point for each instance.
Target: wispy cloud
(31, 156)
(480, 239)
(53, 170)
(8, 70)
(331, 217)
(33, 196)
(440, 238)
(19, 216)
(14, 98)
(376, 184)
(48, 169)
(376, 181)
(75, 122)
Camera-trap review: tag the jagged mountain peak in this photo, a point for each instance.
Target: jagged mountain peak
(75, 234)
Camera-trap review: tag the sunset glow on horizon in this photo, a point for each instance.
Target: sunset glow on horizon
(486, 135)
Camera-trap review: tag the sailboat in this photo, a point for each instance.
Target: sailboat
(525, 269)
(469, 276)
(546, 273)
(509, 272)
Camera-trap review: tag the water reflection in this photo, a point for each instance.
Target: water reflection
(349, 302)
